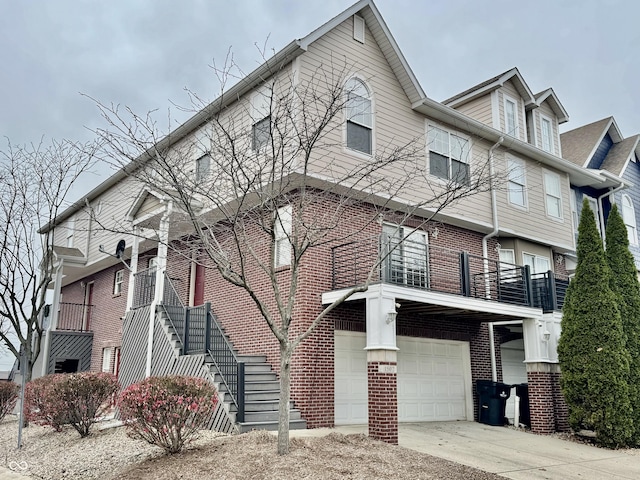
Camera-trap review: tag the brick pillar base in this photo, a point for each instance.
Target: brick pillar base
(546, 403)
(383, 395)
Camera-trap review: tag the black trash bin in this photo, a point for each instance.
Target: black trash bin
(492, 401)
(522, 391)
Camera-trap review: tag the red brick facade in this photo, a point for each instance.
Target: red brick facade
(549, 412)
(383, 401)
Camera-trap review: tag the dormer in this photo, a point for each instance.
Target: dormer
(543, 120)
(501, 102)
(589, 145)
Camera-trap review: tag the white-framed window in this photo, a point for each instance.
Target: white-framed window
(510, 116)
(71, 227)
(261, 117)
(629, 217)
(517, 184)
(203, 167)
(536, 263)
(116, 361)
(359, 116)
(507, 261)
(118, 280)
(358, 28)
(106, 360)
(407, 256)
(593, 205)
(574, 211)
(449, 155)
(553, 194)
(282, 227)
(546, 133)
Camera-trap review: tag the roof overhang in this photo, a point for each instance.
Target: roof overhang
(550, 96)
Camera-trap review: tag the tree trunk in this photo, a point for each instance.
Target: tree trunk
(285, 395)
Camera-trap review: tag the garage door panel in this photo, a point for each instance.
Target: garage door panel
(432, 379)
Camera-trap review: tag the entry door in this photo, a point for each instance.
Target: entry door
(198, 284)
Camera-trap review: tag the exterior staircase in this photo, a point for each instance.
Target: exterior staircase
(261, 384)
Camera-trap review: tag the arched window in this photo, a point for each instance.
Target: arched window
(359, 117)
(629, 217)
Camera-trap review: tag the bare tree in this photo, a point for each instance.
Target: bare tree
(35, 182)
(265, 183)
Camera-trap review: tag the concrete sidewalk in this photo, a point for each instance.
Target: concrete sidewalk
(508, 452)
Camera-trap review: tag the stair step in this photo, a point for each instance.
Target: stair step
(263, 405)
(270, 426)
(271, 416)
(257, 368)
(261, 385)
(252, 358)
(256, 396)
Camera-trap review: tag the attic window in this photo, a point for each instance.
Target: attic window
(358, 28)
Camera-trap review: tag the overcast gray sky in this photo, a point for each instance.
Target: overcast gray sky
(144, 53)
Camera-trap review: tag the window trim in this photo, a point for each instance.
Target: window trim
(535, 258)
(469, 151)
(107, 355)
(118, 283)
(282, 230)
(546, 172)
(552, 145)
(516, 131)
(632, 228)
(261, 105)
(347, 120)
(521, 186)
(200, 176)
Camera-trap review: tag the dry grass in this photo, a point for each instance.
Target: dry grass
(111, 454)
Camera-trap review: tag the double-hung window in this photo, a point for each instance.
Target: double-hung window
(71, 227)
(359, 117)
(203, 166)
(546, 134)
(406, 261)
(629, 217)
(511, 116)
(553, 194)
(517, 185)
(261, 117)
(118, 280)
(282, 227)
(448, 155)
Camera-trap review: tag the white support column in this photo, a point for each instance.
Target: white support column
(133, 268)
(53, 321)
(381, 323)
(160, 268)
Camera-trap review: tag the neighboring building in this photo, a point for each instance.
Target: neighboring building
(472, 295)
(601, 146)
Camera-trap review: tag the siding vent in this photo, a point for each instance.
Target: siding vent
(358, 28)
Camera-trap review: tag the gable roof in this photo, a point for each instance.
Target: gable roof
(550, 96)
(377, 27)
(492, 84)
(618, 157)
(579, 144)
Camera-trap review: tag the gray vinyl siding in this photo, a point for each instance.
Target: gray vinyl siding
(632, 174)
(479, 109)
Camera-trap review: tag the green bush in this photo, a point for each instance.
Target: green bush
(75, 399)
(591, 349)
(8, 397)
(168, 411)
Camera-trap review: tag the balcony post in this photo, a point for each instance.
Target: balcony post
(185, 340)
(551, 291)
(207, 327)
(133, 267)
(465, 275)
(526, 274)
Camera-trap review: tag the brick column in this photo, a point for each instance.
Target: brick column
(382, 373)
(560, 405)
(541, 397)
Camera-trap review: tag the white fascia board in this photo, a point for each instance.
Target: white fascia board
(437, 298)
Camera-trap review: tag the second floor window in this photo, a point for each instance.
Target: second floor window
(71, 226)
(553, 194)
(511, 116)
(282, 227)
(536, 263)
(118, 280)
(203, 166)
(629, 217)
(359, 117)
(261, 117)
(517, 185)
(448, 155)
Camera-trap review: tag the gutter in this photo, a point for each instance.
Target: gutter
(622, 186)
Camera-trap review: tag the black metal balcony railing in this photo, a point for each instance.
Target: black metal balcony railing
(75, 317)
(416, 264)
(144, 287)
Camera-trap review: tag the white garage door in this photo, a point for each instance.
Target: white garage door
(434, 379)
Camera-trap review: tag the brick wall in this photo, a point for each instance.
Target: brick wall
(541, 402)
(383, 402)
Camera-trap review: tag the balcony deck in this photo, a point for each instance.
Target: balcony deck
(417, 265)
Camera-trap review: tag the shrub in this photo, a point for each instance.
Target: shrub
(8, 397)
(75, 399)
(168, 411)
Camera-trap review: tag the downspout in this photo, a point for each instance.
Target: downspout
(485, 249)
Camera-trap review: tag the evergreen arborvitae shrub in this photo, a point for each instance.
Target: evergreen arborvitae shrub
(624, 282)
(591, 349)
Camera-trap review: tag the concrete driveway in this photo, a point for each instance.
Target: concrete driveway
(510, 453)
